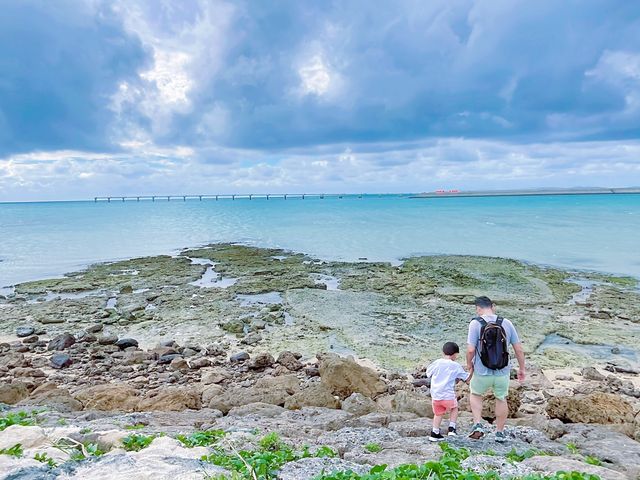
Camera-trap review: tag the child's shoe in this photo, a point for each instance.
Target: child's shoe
(435, 437)
(452, 432)
(501, 437)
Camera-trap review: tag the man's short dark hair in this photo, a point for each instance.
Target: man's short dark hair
(483, 302)
(450, 348)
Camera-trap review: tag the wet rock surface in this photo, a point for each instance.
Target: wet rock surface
(103, 345)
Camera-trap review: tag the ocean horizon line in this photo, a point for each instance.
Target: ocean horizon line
(444, 192)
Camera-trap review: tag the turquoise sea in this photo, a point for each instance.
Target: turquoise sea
(593, 232)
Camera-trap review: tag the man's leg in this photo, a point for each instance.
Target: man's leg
(501, 390)
(502, 410)
(476, 407)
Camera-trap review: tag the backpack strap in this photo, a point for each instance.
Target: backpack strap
(499, 321)
(482, 321)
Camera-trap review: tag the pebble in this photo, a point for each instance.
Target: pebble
(239, 357)
(22, 332)
(61, 360)
(126, 343)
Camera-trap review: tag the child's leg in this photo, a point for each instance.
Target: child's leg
(437, 420)
(453, 416)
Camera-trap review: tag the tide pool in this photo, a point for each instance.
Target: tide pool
(592, 232)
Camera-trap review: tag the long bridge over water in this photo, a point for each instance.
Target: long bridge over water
(249, 196)
(436, 194)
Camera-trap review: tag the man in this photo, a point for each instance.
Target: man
(488, 358)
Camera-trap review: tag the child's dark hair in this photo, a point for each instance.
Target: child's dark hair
(450, 348)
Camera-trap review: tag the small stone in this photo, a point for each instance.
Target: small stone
(312, 371)
(61, 342)
(262, 361)
(289, 360)
(615, 350)
(95, 328)
(107, 339)
(22, 332)
(126, 289)
(168, 358)
(251, 339)
(239, 357)
(61, 360)
(31, 339)
(126, 343)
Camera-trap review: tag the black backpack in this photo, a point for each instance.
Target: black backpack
(493, 346)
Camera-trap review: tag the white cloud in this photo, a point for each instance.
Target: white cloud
(394, 167)
(315, 76)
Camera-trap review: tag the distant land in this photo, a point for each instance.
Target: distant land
(528, 192)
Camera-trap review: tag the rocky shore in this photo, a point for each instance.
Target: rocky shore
(247, 341)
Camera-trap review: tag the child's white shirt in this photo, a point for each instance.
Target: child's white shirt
(443, 374)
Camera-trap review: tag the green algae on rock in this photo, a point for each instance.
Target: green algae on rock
(397, 316)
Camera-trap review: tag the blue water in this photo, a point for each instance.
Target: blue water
(599, 232)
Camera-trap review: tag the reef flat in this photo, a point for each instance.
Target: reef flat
(396, 316)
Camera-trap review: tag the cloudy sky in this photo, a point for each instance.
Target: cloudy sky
(171, 97)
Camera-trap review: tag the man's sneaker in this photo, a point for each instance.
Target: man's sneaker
(501, 437)
(452, 432)
(435, 437)
(478, 432)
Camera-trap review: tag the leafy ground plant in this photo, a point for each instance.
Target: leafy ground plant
(15, 451)
(593, 460)
(24, 419)
(373, 447)
(514, 456)
(204, 438)
(265, 462)
(135, 442)
(447, 468)
(44, 458)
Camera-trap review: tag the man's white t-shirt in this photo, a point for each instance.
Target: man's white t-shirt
(443, 374)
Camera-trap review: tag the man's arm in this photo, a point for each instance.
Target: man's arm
(517, 347)
(471, 353)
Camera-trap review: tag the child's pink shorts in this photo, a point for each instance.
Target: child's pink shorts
(440, 407)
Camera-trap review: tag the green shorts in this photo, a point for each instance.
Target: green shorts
(498, 383)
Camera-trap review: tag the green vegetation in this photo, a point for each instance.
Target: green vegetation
(201, 439)
(373, 447)
(62, 422)
(593, 460)
(514, 456)
(44, 458)
(78, 451)
(135, 442)
(15, 451)
(137, 426)
(24, 419)
(573, 448)
(447, 468)
(265, 462)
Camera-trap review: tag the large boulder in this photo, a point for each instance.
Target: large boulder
(412, 402)
(548, 465)
(359, 405)
(344, 376)
(27, 436)
(170, 400)
(51, 395)
(13, 392)
(109, 397)
(238, 396)
(317, 395)
(605, 408)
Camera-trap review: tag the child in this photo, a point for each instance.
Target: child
(443, 374)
